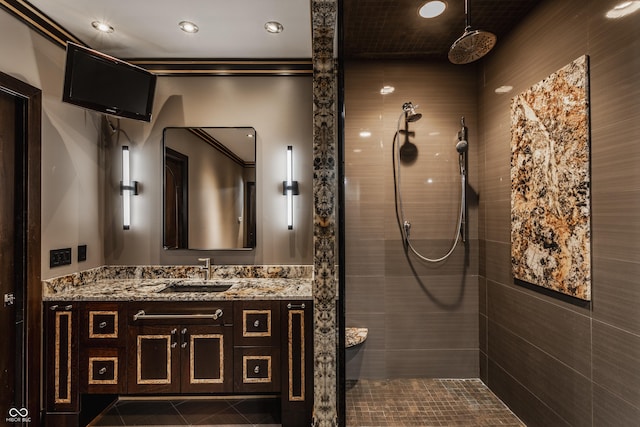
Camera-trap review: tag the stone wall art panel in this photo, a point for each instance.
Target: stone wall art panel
(550, 183)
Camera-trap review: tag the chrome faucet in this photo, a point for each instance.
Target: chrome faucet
(206, 267)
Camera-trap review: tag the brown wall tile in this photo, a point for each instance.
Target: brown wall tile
(427, 309)
(560, 332)
(536, 341)
(616, 362)
(564, 390)
(526, 405)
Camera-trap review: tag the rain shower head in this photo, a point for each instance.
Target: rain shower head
(473, 44)
(410, 112)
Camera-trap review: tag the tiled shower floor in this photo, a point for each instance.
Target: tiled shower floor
(425, 402)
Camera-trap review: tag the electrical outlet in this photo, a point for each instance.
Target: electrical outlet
(58, 257)
(82, 253)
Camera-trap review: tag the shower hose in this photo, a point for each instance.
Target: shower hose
(403, 223)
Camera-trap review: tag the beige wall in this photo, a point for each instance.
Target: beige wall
(71, 187)
(280, 110)
(553, 362)
(80, 194)
(423, 324)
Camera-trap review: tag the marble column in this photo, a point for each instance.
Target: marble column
(324, 13)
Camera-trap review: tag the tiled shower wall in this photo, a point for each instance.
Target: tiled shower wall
(422, 318)
(556, 363)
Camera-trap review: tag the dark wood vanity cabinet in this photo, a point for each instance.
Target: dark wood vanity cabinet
(184, 347)
(262, 347)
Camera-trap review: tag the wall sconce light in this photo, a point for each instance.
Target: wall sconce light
(127, 188)
(290, 187)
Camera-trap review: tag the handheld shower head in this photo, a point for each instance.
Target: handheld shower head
(462, 146)
(410, 114)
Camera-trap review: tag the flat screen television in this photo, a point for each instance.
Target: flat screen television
(106, 84)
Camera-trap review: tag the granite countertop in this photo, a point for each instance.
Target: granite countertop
(145, 289)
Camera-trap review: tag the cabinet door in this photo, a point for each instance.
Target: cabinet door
(206, 354)
(297, 363)
(61, 357)
(154, 359)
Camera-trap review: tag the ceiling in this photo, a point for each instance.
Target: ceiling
(149, 28)
(392, 29)
(235, 29)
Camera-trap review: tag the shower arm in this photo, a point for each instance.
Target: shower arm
(467, 17)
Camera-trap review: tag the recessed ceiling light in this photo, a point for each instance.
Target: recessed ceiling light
(623, 9)
(386, 90)
(431, 9)
(365, 134)
(188, 27)
(273, 27)
(102, 27)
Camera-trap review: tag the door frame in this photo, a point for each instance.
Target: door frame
(30, 186)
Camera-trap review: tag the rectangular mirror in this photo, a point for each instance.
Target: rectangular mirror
(209, 188)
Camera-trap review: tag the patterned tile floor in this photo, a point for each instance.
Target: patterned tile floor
(425, 402)
(193, 412)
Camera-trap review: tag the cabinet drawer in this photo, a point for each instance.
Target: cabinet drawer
(103, 324)
(256, 369)
(103, 370)
(257, 323)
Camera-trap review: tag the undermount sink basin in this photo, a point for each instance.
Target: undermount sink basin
(199, 286)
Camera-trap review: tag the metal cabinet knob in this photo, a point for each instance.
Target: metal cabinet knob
(256, 323)
(256, 370)
(102, 371)
(102, 325)
(183, 345)
(174, 344)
